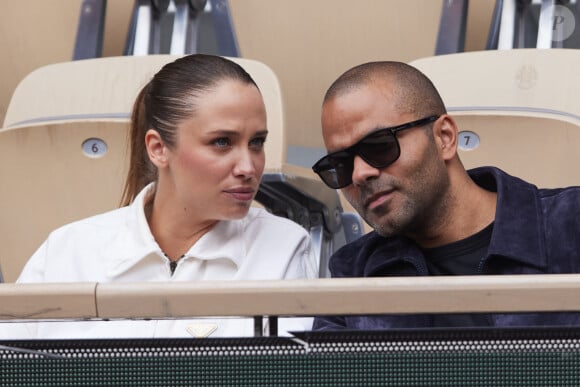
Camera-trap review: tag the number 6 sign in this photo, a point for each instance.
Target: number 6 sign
(94, 147)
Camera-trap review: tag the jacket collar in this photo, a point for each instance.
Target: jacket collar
(394, 251)
(135, 242)
(518, 229)
(517, 232)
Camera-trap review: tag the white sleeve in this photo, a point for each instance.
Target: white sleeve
(34, 269)
(303, 263)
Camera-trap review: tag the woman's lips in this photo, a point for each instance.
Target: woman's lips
(242, 194)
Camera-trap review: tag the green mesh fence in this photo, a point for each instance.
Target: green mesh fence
(515, 357)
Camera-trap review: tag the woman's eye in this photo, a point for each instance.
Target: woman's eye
(221, 142)
(258, 142)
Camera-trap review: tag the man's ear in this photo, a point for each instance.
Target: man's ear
(156, 148)
(445, 134)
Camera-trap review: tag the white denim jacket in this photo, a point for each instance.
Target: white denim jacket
(118, 246)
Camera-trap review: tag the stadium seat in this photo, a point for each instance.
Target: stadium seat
(516, 109)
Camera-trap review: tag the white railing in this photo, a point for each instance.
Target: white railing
(505, 293)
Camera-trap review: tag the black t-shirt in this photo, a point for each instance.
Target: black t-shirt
(463, 257)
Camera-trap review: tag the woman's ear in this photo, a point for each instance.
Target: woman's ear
(156, 148)
(445, 133)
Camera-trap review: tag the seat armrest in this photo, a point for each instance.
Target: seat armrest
(298, 194)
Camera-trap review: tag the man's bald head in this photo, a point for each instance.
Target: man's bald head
(414, 92)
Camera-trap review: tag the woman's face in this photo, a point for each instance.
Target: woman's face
(215, 167)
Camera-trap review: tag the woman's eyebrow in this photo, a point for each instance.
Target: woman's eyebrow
(225, 132)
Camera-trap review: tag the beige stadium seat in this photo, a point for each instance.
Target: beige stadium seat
(48, 181)
(103, 90)
(516, 109)
(64, 155)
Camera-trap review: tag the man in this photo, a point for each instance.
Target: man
(393, 152)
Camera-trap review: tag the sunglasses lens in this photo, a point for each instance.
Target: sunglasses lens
(335, 170)
(380, 149)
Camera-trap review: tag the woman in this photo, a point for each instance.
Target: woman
(197, 136)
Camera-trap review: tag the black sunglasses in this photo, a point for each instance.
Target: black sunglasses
(379, 149)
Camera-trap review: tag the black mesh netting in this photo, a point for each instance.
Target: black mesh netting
(465, 357)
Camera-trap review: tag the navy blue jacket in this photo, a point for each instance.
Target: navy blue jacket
(536, 231)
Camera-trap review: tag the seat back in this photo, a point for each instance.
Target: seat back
(48, 181)
(516, 109)
(103, 89)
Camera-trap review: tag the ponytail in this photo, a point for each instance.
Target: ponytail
(141, 169)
